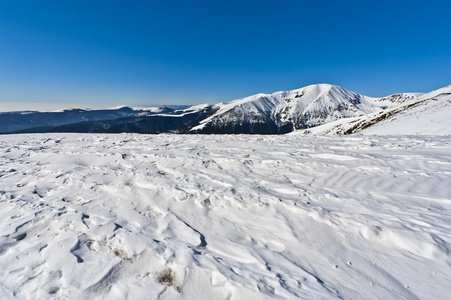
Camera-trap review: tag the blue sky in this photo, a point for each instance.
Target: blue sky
(139, 53)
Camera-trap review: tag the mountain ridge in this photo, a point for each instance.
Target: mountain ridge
(287, 111)
(310, 109)
(427, 114)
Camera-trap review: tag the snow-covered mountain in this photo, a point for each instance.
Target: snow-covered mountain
(283, 112)
(431, 116)
(171, 216)
(317, 109)
(420, 114)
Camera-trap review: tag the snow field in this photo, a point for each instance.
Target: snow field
(224, 217)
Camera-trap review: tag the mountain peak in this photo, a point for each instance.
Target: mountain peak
(276, 113)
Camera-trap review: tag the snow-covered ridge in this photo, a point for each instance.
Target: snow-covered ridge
(319, 109)
(297, 109)
(427, 114)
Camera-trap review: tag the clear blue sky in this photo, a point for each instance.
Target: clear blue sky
(107, 53)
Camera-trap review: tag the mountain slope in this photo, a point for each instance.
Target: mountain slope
(432, 116)
(158, 123)
(427, 114)
(121, 119)
(317, 109)
(283, 112)
(23, 121)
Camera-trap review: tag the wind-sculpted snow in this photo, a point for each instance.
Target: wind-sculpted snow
(224, 217)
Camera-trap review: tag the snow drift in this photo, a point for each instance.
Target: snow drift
(131, 216)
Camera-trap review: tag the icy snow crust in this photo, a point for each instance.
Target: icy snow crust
(224, 217)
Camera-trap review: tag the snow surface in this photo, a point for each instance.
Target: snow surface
(132, 216)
